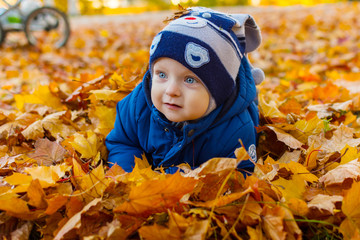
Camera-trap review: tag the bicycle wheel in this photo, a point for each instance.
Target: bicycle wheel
(2, 34)
(47, 25)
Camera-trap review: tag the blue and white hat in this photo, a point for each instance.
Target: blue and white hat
(209, 43)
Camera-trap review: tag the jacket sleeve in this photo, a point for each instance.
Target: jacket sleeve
(123, 142)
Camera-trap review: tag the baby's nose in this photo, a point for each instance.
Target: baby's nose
(173, 88)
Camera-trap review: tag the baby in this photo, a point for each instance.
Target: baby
(197, 100)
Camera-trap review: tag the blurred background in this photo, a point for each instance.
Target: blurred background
(110, 7)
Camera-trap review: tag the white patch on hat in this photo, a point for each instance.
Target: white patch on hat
(196, 55)
(190, 21)
(155, 43)
(252, 152)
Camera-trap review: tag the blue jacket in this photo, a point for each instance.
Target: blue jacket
(141, 128)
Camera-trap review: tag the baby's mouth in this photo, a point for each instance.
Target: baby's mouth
(172, 105)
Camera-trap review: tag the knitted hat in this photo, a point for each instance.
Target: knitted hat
(204, 42)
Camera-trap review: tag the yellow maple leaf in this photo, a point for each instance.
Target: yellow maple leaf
(41, 95)
(300, 170)
(18, 178)
(86, 144)
(92, 184)
(48, 176)
(103, 118)
(269, 109)
(286, 187)
(306, 128)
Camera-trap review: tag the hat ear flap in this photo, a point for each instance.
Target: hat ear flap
(247, 30)
(248, 34)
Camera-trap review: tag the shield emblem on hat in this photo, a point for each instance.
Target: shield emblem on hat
(196, 55)
(155, 43)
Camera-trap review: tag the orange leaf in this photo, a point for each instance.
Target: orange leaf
(157, 195)
(291, 106)
(74, 221)
(350, 207)
(55, 203)
(18, 208)
(223, 200)
(157, 232)
(255, 234)
(36, 195)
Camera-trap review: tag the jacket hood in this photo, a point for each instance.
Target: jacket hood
(240, 99)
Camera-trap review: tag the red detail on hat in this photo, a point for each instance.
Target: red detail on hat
(190, 18)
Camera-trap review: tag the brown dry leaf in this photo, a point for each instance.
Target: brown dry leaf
(218, 166)
(23, 232)
(350, 170)
(325, 202)
(273, 222)
(342, 136)
(286, 138)
(222, 200)
(74, 221)
(47, 153)
(113, 231)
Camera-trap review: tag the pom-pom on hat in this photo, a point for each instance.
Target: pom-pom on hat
(209, 43)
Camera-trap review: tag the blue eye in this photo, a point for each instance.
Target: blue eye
(190, 80)
(162, 75)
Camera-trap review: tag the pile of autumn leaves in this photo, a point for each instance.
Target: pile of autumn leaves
(57, 107)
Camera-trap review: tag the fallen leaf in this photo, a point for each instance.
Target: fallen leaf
(36, 195)
(74, 221)
(273, 222)
(155, 195)
(350, 170)
(47, 153)
(352, 222)
(325, 202)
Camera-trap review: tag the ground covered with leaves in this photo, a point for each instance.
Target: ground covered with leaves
(58, 106)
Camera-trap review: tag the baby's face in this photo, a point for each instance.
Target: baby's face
(177, 92)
